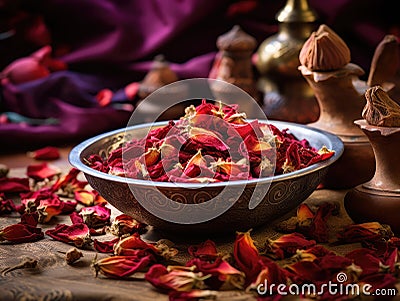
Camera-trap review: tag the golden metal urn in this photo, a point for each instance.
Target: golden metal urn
(287, 96)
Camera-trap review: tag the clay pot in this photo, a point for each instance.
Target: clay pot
(340, 96)
(379, 199)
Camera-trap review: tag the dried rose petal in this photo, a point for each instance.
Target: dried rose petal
(372, 231)
(8, 185)
(37, 196)
(20, 233)
(89, 197)
(128, 246)
(42, 171)
(304, 214)
(271, 273)
(379, 281)
(223, 275)
(333, 262)
(7, 206)
(390, 258)
(77, 234)
(69, 183)
(121, 266)
(293, 161)
(316, 227)
(49, 208)
(366, 260)
(308, 271)
(124, 224)
(76, 218)
(105, 246)
(246, 256)
(68, 206)
(312, 253)
(96, 162)
(96, 216)
(174, 278)
(287, 245)
(206, 250)
(104, 97)
(30, 218)
(45, 153)
(98, 232)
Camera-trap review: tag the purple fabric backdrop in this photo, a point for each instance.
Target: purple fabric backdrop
(109, 44)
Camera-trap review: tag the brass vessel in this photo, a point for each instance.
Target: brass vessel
(287, 96)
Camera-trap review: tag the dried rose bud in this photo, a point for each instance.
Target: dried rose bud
(73, 255)
(124, 224)
(380, 109)
(324, 50)
(129, 246)
(174, 278)
(49, 208)
(121, 266)
(4, 170)
(165, 249)
(96, 216)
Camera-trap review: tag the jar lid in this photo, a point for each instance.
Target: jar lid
(236, 40)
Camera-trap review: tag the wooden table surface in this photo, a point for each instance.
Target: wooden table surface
(53, 279)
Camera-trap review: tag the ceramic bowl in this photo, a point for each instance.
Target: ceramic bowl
(277, 195)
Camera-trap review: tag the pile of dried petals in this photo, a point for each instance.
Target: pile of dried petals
(210, 144)
(45, 194)
(259, 270)
(292, 258)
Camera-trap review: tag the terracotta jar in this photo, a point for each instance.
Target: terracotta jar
(325, 64)
(160, 76)
(379, 198)
(286, 95)
(233, 64)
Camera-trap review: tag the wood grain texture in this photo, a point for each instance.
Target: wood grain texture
(54, 280)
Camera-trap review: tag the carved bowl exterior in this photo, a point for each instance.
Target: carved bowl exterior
(281, 193)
